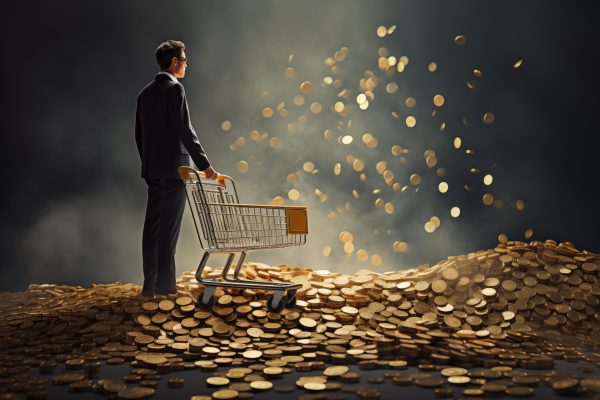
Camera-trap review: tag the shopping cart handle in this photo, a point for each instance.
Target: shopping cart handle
(188, 173)
(220, 177)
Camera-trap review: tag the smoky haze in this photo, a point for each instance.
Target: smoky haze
(73, 203)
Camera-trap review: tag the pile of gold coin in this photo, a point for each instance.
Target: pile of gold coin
(519, 305)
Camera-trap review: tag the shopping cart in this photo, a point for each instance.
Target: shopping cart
(230, 227)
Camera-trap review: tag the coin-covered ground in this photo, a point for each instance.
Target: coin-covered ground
(494, 322)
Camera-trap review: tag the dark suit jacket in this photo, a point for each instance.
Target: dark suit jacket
(164, 134)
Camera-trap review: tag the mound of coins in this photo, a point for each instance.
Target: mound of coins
(518, 305)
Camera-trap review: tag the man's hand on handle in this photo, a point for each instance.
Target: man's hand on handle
(211, 173)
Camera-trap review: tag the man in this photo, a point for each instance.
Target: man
(165, 140)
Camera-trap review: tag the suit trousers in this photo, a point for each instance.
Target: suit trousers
(164, 212)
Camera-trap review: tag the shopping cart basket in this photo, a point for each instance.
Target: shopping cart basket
(226, 226)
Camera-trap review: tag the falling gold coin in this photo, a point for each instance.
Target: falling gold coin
(347, 139)
(488, 179)
(520, 204)
(389, 208)
(308, 166)
(277, 200)
(443, 187)
(411, 121)
(391, 87)
(267, 112)
(289, 72)
(400, 247)
(376, 260)
(488, 118)
(455, 212)
(460, 40)
(438, 100)
(415, 179)
(488, 199)
(293, 194)
(316, 107)
(242, 166)
(306, 87)
(292, 178)
(362, 255)
(226, 125)
(358, 165)
(457, 142)
(429, 227)
(337, 169)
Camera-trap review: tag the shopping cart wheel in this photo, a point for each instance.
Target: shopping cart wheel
(206, 302)
(275, 303)
(290, 299)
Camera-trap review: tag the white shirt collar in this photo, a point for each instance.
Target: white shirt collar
(169, 75)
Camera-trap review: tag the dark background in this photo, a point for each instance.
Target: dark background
(73, 202)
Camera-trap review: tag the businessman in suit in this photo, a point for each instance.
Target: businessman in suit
(165, 140)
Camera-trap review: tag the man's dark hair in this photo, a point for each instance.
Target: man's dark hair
(167, 50)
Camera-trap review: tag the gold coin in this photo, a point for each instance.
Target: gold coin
(66, 378)
(453, 372)
(217, 381)
(460, 39)
(225, 394)
(450, 274)
(252, 354)
(150, 306)
(136, 392)
(242, 166)
(144, 339)
(491, 387)
(590, 385)
(166, 305)
(438, 286)
(314, 386)
(153, 359)
(398, 364)
(306, 87)
(564, 384)
(336, 370)
(459, 380)
(451, 321)
(176, 382)
(261, 385)
(307, 323)
(274, 371)
(519, 391)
